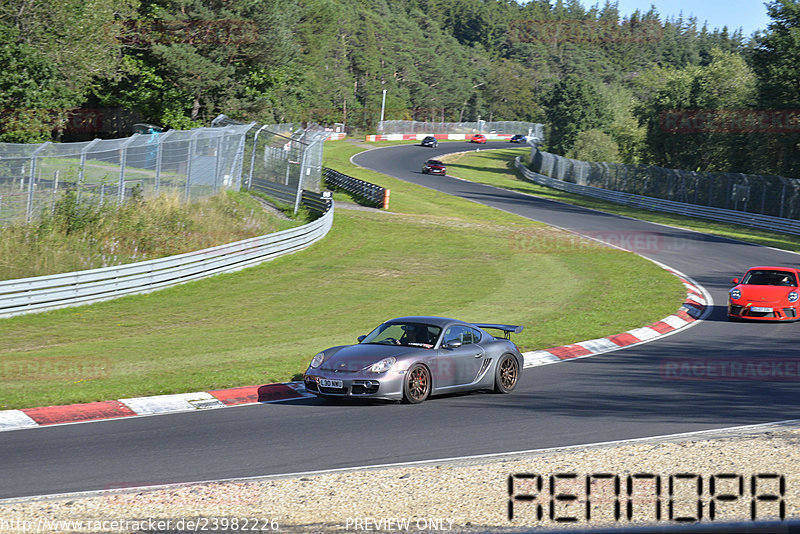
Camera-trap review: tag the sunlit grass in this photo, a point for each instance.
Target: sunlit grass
(430, 254)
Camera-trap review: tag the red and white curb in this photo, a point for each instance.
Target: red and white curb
(440, 137)
(693, 309)
(158, 404)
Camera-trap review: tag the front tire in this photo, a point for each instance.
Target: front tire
(506, 375)
(417, 385)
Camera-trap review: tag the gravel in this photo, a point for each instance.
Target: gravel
(469, 495)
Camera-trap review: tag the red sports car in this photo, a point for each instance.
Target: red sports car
(478, 138)
(766, 294)
(434, 166)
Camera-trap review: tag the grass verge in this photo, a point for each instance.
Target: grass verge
(433, 254)
(78, 235)
(496, 167)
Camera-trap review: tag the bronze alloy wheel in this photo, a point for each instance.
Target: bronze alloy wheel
(417, 386)
(507, 374)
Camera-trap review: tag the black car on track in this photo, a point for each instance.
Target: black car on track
(430, 141)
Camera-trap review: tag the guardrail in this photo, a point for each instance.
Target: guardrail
(754, 220)
(317, 202)
(371, 194)
(28, 295)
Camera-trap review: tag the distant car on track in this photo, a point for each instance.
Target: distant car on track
(765, 294)
(412, 358)
(478, 138)
(430, 141)
(434, 166)
(518, 138)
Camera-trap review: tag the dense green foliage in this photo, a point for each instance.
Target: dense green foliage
(593, 74)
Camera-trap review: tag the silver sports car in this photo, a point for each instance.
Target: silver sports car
(412, 358)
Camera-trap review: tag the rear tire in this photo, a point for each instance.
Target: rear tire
(506, 374)
(417, 385)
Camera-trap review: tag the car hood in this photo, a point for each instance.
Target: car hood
(752, 293)
(357, 357)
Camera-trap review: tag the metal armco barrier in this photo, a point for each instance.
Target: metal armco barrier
(763, 222)
(42, 293)
(370, 193)
(317, 202)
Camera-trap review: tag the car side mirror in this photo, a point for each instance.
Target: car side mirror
(735, 281)
(452, 344)
(361, 338)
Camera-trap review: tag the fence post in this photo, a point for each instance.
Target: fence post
(82, 171)
(189, 164)
(55, 191)
(218, 158)
(31, 179)
(123, 159)
(253, 157)
(159, 158)
(239, 157)
(299, 196)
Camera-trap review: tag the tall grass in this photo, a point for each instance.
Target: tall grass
(78, 235)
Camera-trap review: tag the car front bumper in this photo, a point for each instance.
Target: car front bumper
(777, 312)
(388, 386)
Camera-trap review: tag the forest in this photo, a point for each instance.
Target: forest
(635, 87)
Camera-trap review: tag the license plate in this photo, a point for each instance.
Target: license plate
(760, 309)
(327, 383)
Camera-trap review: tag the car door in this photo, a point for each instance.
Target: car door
(460, 358)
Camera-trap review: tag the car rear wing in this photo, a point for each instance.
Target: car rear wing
(507, 329)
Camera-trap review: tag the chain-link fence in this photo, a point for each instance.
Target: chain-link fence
(763, 194)
(191, 164)
(530, 129)
(282, 161)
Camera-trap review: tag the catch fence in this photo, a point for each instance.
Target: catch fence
(769, 195)
(190, 164)
(530, 129)
(283, 161)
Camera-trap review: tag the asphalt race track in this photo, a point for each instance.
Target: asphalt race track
(615, 396)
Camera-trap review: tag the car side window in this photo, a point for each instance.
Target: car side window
(463, 334)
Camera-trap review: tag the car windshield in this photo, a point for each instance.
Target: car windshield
(770, 278)
(434, 162)
(405, 334)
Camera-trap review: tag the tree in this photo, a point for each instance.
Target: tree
(690, 115)
(776, 62)
(54, 54)
(573, 106)
(595, 145)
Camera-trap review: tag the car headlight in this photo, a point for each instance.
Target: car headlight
(383, 365)
(736, 294)
(316, 361)
(793, 296)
